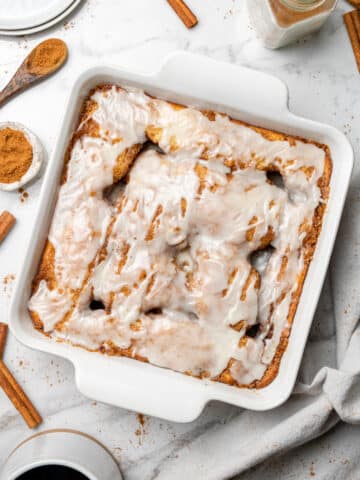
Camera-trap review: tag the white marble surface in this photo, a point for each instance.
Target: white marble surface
(324, 85)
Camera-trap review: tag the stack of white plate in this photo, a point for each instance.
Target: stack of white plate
(22, 17)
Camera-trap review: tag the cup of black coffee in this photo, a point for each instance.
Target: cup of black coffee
(59, 455)
(52, 472)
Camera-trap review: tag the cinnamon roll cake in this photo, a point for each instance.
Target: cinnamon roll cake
(180, 237)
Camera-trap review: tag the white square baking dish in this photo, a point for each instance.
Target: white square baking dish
(242, 93)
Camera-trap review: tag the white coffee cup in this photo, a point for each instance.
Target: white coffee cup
(67, 448)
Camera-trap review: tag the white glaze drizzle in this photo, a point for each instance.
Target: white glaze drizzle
(173, 298)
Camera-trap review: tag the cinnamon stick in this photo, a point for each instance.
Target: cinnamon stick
(7, 221)
(352, 22)
(183, 12)
(18, 397)
(354, 3)
(355, 14)
(3, 335)
(13, 390)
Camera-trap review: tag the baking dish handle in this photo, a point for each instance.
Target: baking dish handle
(234, 84)
(135, 386)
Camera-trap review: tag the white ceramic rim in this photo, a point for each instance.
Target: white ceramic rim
(42, 26)
(29, 18)
(56, 460)
(252, 96)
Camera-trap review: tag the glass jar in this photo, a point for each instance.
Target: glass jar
(279, 22)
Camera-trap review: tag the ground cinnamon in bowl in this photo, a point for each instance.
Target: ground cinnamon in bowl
(46, 56)
(16, 154)
(21, 155)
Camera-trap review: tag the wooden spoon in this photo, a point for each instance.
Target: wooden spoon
(43, 60)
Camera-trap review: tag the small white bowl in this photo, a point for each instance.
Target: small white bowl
(37, 159)
(67, 448)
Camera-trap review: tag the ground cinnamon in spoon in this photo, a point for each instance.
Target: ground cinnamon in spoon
(16, 155)
(46, 56)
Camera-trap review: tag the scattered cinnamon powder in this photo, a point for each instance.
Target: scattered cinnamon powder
(16, 155)
(68, 25)
(141, 419)
(46, 56)
(8, 282)
(8, 278)
(140, 432)
(23, 195)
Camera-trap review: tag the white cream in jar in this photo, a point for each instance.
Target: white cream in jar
(280, 22)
